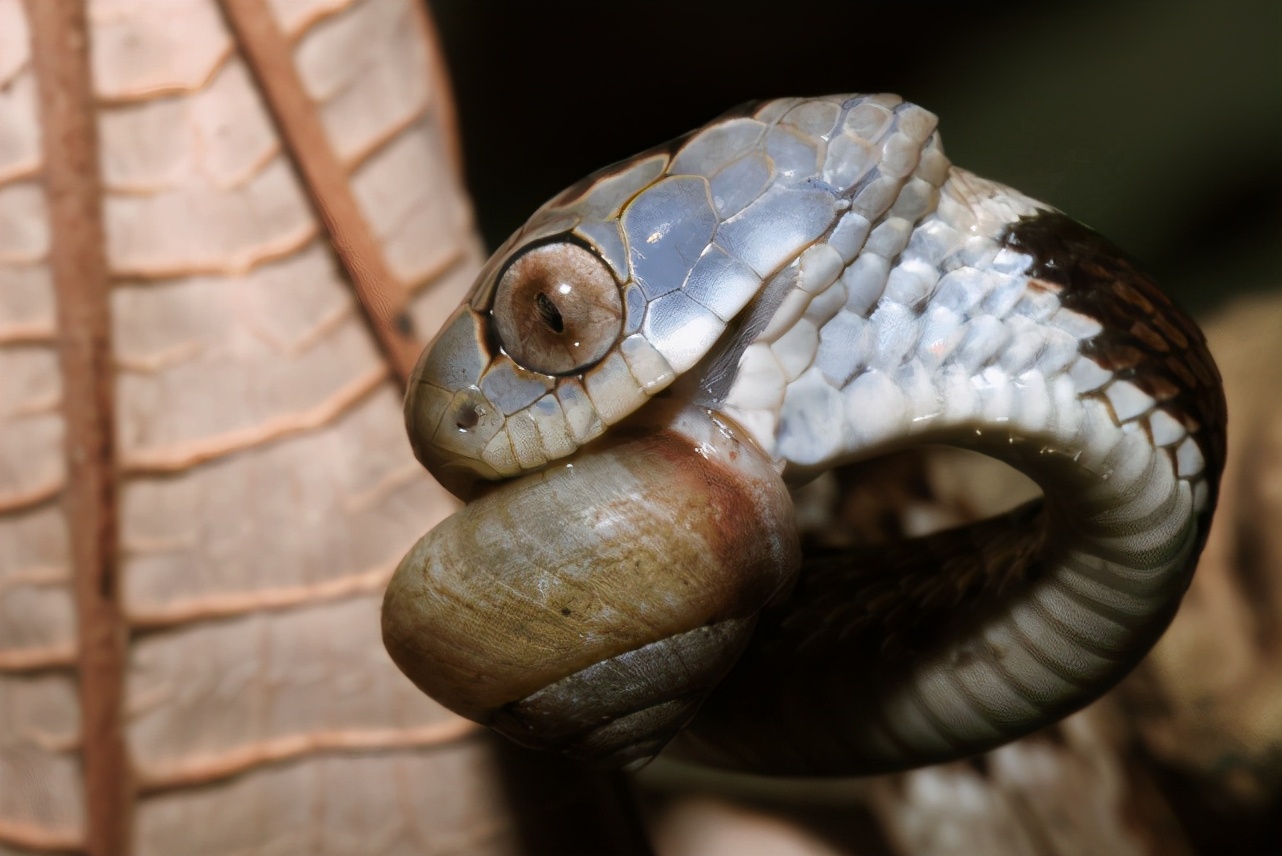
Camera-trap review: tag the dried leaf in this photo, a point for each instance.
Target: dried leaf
(225, 230)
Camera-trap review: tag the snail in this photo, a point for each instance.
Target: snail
(645, 375)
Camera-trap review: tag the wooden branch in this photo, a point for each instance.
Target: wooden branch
(60, 53)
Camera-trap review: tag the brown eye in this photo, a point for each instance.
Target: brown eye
(557, 309)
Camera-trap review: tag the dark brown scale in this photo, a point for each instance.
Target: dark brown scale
(1161, 351)
(1150, 337)
(903, 597)
(857, 617)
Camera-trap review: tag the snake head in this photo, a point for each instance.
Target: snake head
(646, 270)
(544, 354)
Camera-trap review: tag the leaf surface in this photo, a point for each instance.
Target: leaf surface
(258, 283)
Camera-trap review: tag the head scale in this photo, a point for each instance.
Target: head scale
(630, 278)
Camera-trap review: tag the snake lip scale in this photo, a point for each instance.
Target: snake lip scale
(649, 368)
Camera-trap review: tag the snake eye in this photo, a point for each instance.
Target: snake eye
(557, 309)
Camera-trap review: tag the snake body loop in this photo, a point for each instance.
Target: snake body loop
(800, 285)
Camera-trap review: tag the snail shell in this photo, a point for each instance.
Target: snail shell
(589, 608)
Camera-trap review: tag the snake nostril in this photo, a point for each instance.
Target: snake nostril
(467, 418)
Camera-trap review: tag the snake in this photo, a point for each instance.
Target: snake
(647, 375)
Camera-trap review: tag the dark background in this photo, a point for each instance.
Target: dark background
(1159, 124)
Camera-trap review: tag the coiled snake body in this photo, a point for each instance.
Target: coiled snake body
(647, 368)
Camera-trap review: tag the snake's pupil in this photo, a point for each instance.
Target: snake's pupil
(549, 313)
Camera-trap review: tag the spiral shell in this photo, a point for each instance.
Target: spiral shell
(588, 608)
